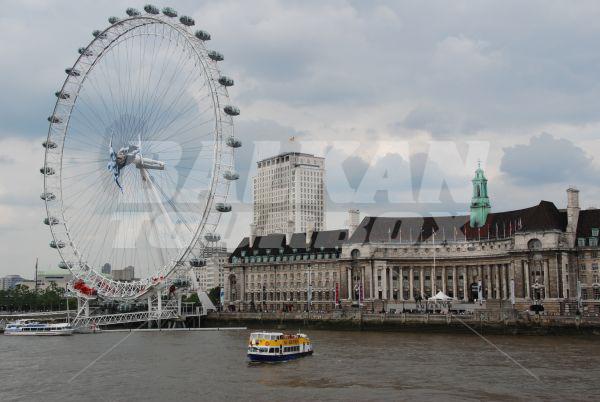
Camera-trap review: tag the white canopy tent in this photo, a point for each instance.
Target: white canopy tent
(440, 296)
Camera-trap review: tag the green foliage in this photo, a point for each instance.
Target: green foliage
(215, 295)
(193, 298)
(21, 298)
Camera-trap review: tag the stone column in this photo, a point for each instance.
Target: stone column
(362, 283)
(504, 281)
(466, 283)
(433, 279)
(411, 294)
(242, 287)
(547, 289)
(454, 283)
(373, 279)
(526, 281)
(444, 279)
(350, 289)
(489, 294)
(391, 283)
(421, 280)
(497, 280)
(400, 283)
(563, 264)
(383, 284)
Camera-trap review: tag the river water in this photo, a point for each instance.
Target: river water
(210, 365)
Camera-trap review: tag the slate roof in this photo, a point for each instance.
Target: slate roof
(588, 219)
(544, 216)
(326, 241)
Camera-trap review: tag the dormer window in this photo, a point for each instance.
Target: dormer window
(581, 242)
(593, 241)
(595, 232)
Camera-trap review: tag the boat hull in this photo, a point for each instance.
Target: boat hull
(62, 332)
(277, 358)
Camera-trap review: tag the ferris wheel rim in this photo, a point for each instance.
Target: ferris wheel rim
(79, 268)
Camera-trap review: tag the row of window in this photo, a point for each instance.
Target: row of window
(590, 241)
(583, 266)
(280, 258)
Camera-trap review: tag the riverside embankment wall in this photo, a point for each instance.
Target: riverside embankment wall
(485, 323)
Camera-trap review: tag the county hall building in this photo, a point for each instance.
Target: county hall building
(541, 255)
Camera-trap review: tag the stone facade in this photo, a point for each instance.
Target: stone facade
(538, 255)
(289, 193)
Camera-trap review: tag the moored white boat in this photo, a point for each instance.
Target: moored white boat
(28, 328)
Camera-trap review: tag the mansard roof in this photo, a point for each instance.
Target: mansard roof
(588, 219)
(271, 244)
(544, 216)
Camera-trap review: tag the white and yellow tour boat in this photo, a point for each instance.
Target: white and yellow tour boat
(277, 346)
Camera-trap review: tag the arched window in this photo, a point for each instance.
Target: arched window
(534, 244)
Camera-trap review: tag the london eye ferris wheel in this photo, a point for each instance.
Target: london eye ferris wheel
(139, 153)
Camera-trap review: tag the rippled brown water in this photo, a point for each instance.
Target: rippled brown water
(345, 366)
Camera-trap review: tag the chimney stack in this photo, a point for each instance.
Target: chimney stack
(289, 232)
(353, 220)
(310, 229)
(252, 234)
(572, 214)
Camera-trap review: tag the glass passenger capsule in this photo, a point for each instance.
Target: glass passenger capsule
(47, 196)
(187, 21)
(197, 262)
(150, 9)
(212, 237)
(225, 81)
(99, 34)
(223, 207)
(54, 119)
(49, 144)
(216, 56)
(50, 221)
(64, 265)
(132, 12)
(113, 20)
(72, 72)
(47, 171)
(231, 175)
(233, 142)
(84, 52)
(202, 35)
(231, 110)
(57, 244)
(169, 12)
(62, 95)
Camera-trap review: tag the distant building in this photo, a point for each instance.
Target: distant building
(10, 281)
(211, 275)
(125, 275)
(289, 193)
(106, 269)
(46, 278)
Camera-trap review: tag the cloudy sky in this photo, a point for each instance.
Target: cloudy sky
(402, 98)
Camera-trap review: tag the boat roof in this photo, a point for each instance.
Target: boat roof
(266, 333)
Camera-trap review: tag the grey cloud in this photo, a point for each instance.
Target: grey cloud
(6, 160)
(547, 159)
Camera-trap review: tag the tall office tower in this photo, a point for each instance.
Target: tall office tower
(289, 194)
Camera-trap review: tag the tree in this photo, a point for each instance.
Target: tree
(193, 298)
(215, 295)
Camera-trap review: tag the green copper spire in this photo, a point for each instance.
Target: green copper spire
(480, 202)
